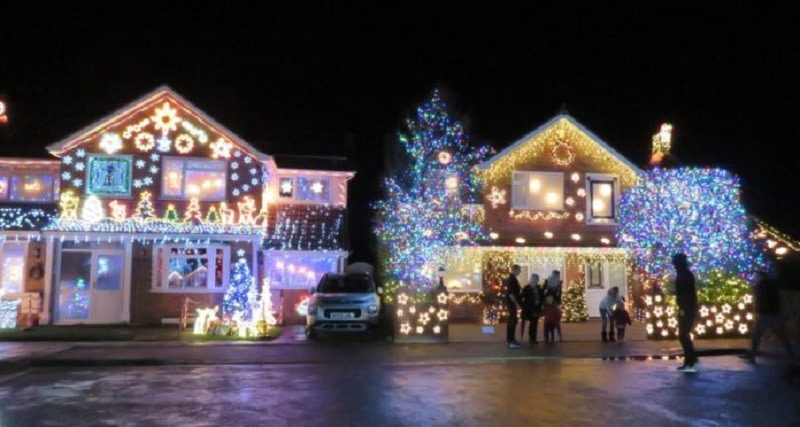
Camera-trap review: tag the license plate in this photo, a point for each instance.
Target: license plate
(341, 315)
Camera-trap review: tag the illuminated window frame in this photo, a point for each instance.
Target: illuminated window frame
(8, 177)
(299, 196)
(522, 179)
(602, 178)
(222, 166)
(127, 160)
(13, 250)
(162, 255)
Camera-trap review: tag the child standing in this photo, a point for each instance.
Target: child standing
(621, 319)
(552, 320)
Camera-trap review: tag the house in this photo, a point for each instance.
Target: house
(157, 201)
(550, 203)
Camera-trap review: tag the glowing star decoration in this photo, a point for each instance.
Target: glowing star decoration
(164, 144)
(402, 299)
(68, 206)
(286, 187)
(442, 315)
(165, 119)
(221, 149)
(227, 215)
(144, 142)
(405, 328)
(118, 209)
(206, 317)
(246, 211)
(234, 176)
(424, 318)
(496, 197)
(92, 211)
(442, 298)
(110, 142)
(315, 187)
(184, 143)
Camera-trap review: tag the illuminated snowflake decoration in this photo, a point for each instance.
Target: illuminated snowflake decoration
(147, 180)
(144, 142)
(286, 187)
(234, 176)
(235, 192)
(77, 182)
(154, 157)
(154, 169)
(412, 309)
(234, 165)
(254, 181)
(137, 183)
(221, 148)
(420, 329)
(80, 152)
(237, 153)
(581, 192)
(67, 160)
(437, 329)
(80, 166)
(164, 144)
(569, 201)
(248, 160)
(726, 308)
(110, 143)
(245, 187)
(672, 322)
(253, 171)
(496, 197)
(66, 176)
(141, 164)
(166, 119)
(184, 143)
(317, 187)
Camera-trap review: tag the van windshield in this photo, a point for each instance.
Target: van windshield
(346, 284)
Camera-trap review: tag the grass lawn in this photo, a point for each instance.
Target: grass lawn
(118, 333)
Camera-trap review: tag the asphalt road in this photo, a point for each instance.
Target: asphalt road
(480, 392)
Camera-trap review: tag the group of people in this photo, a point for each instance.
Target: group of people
(532, 302)
(535, 301)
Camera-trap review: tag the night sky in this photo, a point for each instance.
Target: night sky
(300, 78)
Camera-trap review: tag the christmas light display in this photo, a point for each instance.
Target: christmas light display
(8, 310)
(239, 296)
(574, 303)
(78, 301)
(422, 313)
(206, 317)
(687, 210)
(420, 216)
(15, 218)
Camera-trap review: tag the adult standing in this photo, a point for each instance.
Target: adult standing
(553, 287)
(686, 297)
(531, 308)
(767, 307)
(513, 304)
(607, 305)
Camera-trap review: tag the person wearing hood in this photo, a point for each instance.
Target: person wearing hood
(686, 297)
(607, 305)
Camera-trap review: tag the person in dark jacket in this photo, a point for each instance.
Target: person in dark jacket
(767, 307)
(621, 319)
(513, 304)
(531, 308)
(686, 297)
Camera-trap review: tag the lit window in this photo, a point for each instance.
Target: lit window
(298, 271)
(189, 178)
(28, 187)
(304, 189)
(603, 197)
(109, 175)
(286, 188)
(184, 269)
(538, 191)
(13, 267)
(3, 187)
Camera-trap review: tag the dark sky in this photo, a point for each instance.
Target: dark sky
(299, 76)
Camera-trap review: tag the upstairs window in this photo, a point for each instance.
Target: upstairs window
(304, 189)
(184, 179)
(109, 175)
(603, 198)
(538, 191)
(28, 186)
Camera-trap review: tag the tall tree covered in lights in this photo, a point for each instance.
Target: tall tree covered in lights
(423, 214)
(239, 296)
(691, 210)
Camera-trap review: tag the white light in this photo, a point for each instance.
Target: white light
(575, 176)
(598, 205)
(286, 187)
(451, 184)
(576, 236)
(548, 235)
(534, 186)
(316, 187)
(520, 240)
(771, 243)
(551, 198)
(605, 190)
(493, 235)
(605, 241)
(781, 251)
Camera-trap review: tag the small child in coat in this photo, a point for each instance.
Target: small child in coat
(552, 320)
(621, 319)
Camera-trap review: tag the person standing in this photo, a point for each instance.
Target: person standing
(607, 305)
(513, 304)
(553, 287)
(686, 297)
(531, 309)
(767, 307)
(621, 320)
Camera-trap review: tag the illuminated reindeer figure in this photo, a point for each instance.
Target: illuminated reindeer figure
(206, 317)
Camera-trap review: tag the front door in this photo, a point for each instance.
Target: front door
(90, 286)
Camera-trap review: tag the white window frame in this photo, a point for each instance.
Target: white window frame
(602, 177)
(211, 252)
(184, 160)
(516, 180)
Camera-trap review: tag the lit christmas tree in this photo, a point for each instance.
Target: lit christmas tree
(193, 214)
(575, 309)
(266, 304)
(78, 305)
(92, 210)
(144, 211)
(171, 214)
(423, 215)
(690, 210)
(212, 217)
(239, 296)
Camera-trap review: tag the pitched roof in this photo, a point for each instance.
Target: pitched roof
(552, 122)
(152, 98)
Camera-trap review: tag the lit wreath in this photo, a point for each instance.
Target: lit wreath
(144, 142)
(562, 153)
(184, 143)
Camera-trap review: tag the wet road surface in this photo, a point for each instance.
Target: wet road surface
(583, 392)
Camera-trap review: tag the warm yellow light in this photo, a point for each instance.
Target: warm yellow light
(286, 187)
(576, 236)
(605, 190)
(581, 192)
(771, 243)
(451, 184)
(520, 240)
(575, 176)
(781, 251)
(548, 235)
(605, 241)
(534, 186)
(493, 235)
(598, 205)
(316, 187)
(551, 198)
